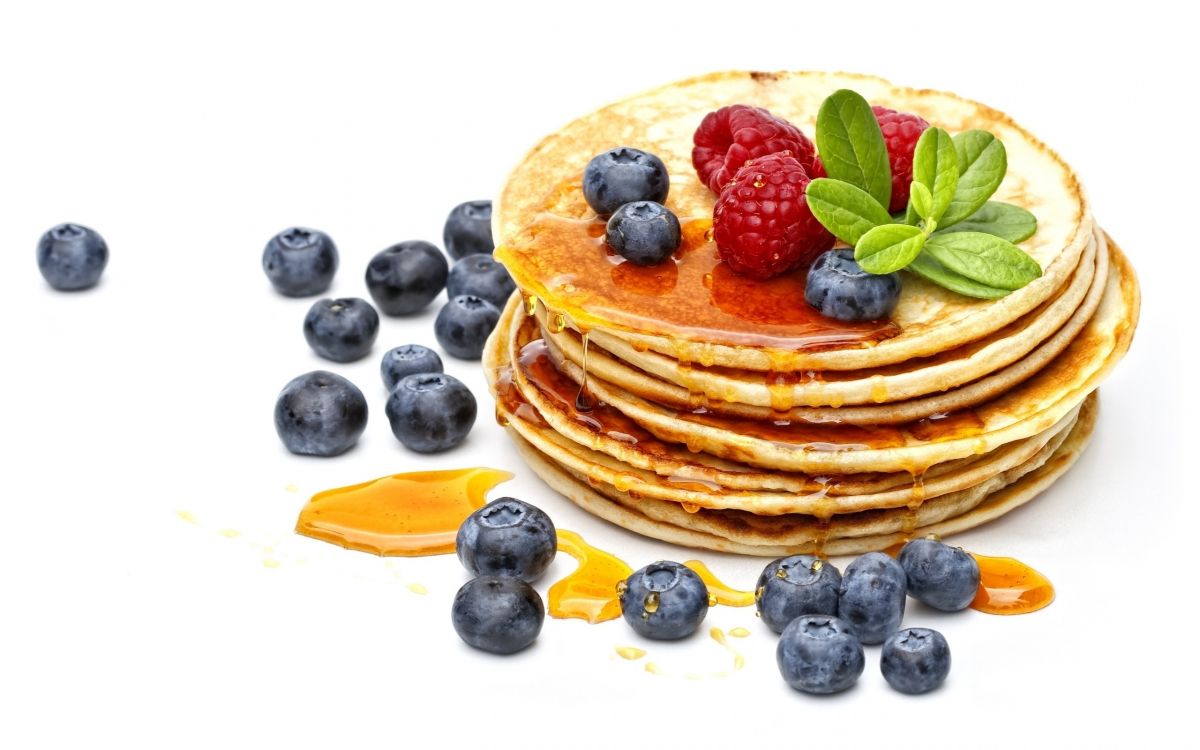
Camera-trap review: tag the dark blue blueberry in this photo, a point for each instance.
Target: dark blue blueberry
(320, 414)
(405, 278)
(643, 232)
(342, 330)
(410, 359)
(480, 276)
(500, 615)
(71, 257)
(819, 654)
(941, 576)
(794, 586)
(431, 412)
(838, 288)
(624, 175)
(664, 600)
(872, 600)
(915, 660)
(468, 229)
(300, 262)
(464, 324)
(507, 537)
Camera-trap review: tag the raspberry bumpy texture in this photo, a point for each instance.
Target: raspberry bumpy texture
(731, 136)
(762, 224)
(901, 131)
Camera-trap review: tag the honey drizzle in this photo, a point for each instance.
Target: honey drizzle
(590, 592)
(404, 515)
(719, 592)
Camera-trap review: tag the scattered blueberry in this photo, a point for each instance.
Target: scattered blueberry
(410, 359)
(941, 576)
(643, 232)
(915, 660)
(819, 654)
(507, 537)
(872, 597)
(468, 229)
(794, 586)
(624, 175)
(320, 414)
(431, 412)
(71, 257)
(464, 324)
(404, 278)
(838, 288)
(300, 262)
(481, 276)
(342, 330)
(500, 615)
(664, 601)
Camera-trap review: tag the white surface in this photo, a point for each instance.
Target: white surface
(187, 136)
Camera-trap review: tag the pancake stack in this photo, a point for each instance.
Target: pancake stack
(696, 406)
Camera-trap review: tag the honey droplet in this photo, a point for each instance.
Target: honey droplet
(592, 592)
(531, 303)
(187, 517)
(230, 533)
(690, 507)
(270, 562)
(418, 589)
(758, 181)
(739, 632)
(723, 593)
(559, 323)
(650, 604)
(631, 653)
(1010, 587)
(402, 515)
(652, 668)
(712, 600)
(816, 566)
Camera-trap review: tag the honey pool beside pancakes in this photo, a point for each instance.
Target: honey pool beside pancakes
(689, 404)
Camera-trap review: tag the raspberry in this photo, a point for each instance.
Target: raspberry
(900, 131)
(762, 224)
(731, 136)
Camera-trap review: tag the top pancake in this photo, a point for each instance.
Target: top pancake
(662, 121)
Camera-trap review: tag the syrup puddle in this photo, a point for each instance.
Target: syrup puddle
(590, 592)
(1007, 586)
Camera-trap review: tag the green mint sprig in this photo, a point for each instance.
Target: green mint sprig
(951, 233)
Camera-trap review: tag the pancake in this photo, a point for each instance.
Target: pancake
(542, 195)
(996, 504)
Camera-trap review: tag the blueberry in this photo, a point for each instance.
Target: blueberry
(300, 262)
(664, 601)
(872, 597)
(468, 229)
(481, 276)
(320, 414)
(794, 586)
(915, 660)
(342, 330)
(500, 615)
(431, 412)
(838, 288)
(643, 232)
(464, 324)
(941, 576)
(507, 537)
(819, 654)
(71, 257)
(410, 359)
(624, 175)
(404, 278)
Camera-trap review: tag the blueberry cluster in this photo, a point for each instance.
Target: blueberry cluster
(323, 414)
(629, 186)
(825, 617)
(505, 545)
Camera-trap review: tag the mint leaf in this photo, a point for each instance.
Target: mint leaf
(984, 258)
(888, 248)
(935, 165)
(846, 211)
(1003, 220)
(982, 162)
(851, 144)
(921, 200)
(928, 268)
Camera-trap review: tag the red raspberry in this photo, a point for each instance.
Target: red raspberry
(731, 136)
(762, 224)
(900, 131)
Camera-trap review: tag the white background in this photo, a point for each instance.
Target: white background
(189, 134)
